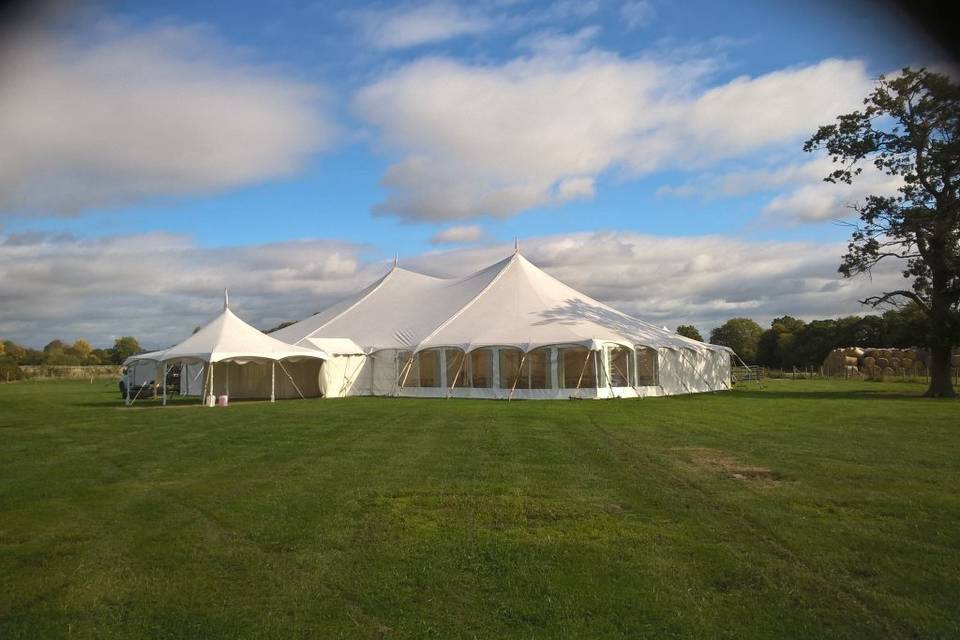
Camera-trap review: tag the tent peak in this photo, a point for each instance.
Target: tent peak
(226, 299)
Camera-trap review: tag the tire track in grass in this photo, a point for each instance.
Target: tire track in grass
(872, 610)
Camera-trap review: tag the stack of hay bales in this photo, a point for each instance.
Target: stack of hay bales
(882, 363)
(878, 363)
(843, 362)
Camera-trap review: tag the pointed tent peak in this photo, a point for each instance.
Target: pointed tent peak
(516, 245)
(396, 260)
(226, 299)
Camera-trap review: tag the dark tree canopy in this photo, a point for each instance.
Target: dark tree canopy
(909, 128)
(740, 334)
(689, 331)
(125, 347)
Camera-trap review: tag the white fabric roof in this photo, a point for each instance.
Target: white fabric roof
(510, 303)
(335, 346)
(227, 337)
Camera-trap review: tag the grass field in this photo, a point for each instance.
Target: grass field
(809, 509)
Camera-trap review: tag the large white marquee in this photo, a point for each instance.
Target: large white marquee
(507, 331)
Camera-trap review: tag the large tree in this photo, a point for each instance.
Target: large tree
(689, 331)
(123, 348)
(741, 335)
(908, 128)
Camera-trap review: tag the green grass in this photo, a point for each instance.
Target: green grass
(809, 509)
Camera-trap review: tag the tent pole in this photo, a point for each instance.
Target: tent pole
(212, 388)
(516, 379)
(456, 377)
(583, 370)
(227, 374)
(406, 370)
(273, 381)
(126, 386)
(284, 369)
(164, 384)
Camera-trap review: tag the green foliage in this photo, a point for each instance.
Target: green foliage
(689, 331)
(910, 130)
(123, 348)
(9, 370)
(740, 334)
(408, 518)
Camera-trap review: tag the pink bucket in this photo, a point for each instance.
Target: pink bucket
(222, 401)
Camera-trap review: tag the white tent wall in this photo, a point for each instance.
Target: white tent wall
(142, 372)
(346, 375)
(191, 378)
(252, 379)
(442, 372)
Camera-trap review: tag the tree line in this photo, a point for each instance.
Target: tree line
(790, 342)
(58, 352)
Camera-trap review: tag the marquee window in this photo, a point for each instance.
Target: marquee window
(621, 367)
(578, 365)
(537, 370)
(456, 371)
(481, 368)
(429, 362)
(646, 366)
(510, 368)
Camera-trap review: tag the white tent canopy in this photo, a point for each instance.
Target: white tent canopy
(229, 340)
(509, 305)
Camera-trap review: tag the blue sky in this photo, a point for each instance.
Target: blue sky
(413, 128)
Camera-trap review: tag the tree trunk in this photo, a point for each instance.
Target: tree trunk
(941, 385)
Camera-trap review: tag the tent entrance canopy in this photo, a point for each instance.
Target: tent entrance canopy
(258, 362)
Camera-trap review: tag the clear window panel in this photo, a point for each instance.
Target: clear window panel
(429, 362)
(537, 369)
(578, 367)
(510, 368)
(620, 361)
(481, 369)
(456, 372)
(646, 366)
(408, 372)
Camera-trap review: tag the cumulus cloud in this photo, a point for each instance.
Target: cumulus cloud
(409, 26)
(458, 235)
(159, 286)
(804, 197)
(474, 140)
(120, 116)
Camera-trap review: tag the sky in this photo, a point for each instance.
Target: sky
(645, 152)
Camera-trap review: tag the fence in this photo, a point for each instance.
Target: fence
(61, 372)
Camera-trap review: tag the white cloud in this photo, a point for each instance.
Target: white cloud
(458, 235)
(472, 140)
(637, 13)
(804, 197)
(409, 26)
(120, 116)
(159, 286)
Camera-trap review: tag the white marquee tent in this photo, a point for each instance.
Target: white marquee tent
(507, 331)
(238, 360)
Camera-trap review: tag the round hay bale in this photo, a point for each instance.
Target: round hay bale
(907, 363)
(883, 363)
(869, 362)
(888, 372)
(955, 360)
(895, 363)
(851, 361)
